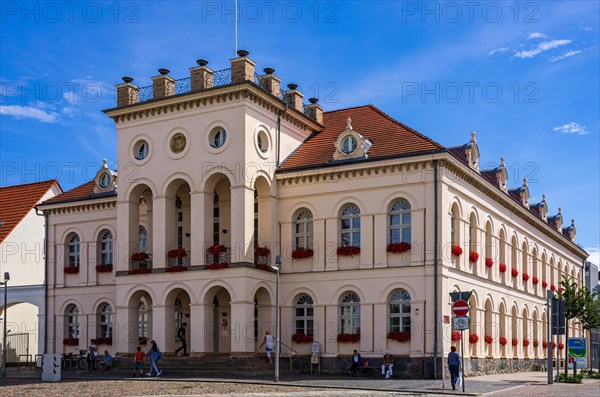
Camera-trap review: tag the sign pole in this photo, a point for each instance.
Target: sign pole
(549, 336)
(462, 359)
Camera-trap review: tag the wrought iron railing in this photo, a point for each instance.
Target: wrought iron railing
(179, 262)
(141, 266)
(222, 77)
(183, 85)
(146, 93)
(220, 258)
(262, 260)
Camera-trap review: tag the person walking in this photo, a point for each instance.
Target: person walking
(270, 342)
(182, 339)
(138, 361)
(155, 355)
(92, 355)
(453, 366)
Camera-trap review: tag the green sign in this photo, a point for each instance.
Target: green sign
(577, 350)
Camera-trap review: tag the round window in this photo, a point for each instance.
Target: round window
(140, 150)
(105, 180)
(178, 142)
(217, 137)
(263, 142)
(349, 144)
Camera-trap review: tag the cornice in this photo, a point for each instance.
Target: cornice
(81, 206)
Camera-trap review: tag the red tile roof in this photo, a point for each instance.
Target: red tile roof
(16, 202)
(81, 192)
(390, 138)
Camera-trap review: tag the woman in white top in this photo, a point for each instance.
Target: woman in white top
(270, 342)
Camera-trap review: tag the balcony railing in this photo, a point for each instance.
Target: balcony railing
(222, 259)
(179, 264)
(141, 266)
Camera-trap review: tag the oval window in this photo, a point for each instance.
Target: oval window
(218, 137)
(140, 150)
(349, 144)
(263, 142)
(104, 180)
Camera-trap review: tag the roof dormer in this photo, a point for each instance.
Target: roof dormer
(468, 153)
(569, 231)
(556, 221)
(498, 175)
(522, 194)
(106, 180)
(350, 144)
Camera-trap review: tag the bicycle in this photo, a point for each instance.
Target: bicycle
(69, 360)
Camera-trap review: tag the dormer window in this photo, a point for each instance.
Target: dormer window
(105, 180)
(349, 144)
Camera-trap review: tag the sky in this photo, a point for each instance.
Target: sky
(525, 76)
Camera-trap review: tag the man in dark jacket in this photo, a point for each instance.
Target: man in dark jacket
(453, 366)
(356, 362)
(181, 336)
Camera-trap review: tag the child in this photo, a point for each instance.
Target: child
(139, 361)
(107, 361)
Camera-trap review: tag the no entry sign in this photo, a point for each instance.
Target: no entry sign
(460, 308)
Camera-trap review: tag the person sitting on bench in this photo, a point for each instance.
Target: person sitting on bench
(387, 366)
(356, 362)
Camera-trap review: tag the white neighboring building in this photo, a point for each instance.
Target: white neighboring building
(22, 255)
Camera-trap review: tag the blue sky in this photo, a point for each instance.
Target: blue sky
(525, 76)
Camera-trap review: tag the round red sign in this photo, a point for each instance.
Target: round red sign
(460, 308)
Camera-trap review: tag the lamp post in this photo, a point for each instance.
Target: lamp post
(5, 283)
(277, 268)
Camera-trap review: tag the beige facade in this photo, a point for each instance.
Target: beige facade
(201, 168)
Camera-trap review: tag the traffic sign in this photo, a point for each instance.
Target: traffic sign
(461, 323)
(460, 308)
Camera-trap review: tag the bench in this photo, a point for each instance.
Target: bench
(368, 370)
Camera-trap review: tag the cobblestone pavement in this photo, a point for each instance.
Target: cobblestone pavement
(587, 389)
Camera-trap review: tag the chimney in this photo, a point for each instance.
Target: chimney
(242, 68)
(314, 110)
(163, 85)
(270, 82)
(202, 77)
(127, 93)
(293, 97)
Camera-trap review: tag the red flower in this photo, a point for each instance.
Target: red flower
(397, 248)
(262, 251)
(503, 340)
(455, 336)
(262, 266)
(561, 346)
(71, 269)
(104, 268)
(473, 256)
(515, 341)
(140, 270)
(553, 287)
(301, 338)
(456, 250)
(554, 345)
(177, 253)
(216, 249)
(301, 253)
(348, 338)
(536, 343)
(514, 272)
(526, 342)
(560, 290)
(348, 250)
(525, 277)
(139, 256)
(218, 265)
(502, 268)
(544, 344)
(489, 339)
(535, 280)
(175, 269)
(401, 337)
(473, 338)
(544, 284)
(71, 341)
(489, 262)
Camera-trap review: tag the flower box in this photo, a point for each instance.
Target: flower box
(398, 248)
(514, 272)
(140, 270)
(473, 338)
(71, 269)
(456, 250)
(526, 342)
(536, 343)
(489, 262)
(262, 251)
(262, 266)
(140, 256)
(104, 268)
(219, 265)
(348, 250)
(455, 336)
(301, 253)
(489, 339)
(544, 284)
(525, 277)
(535, 281)
(401, 337)
(71, 341)
(175, 269)
(473, 257)
(515, 341)
(301, 338)
(502, 268)
(177, 253)
(216, 249)
(104, 341)
(348, 338)
(503, 341)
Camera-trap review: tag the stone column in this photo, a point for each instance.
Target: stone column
(162, 207)
(199, 334)
(380, 239)
(267, 223)
(242, 224)
(127, 93)
(293, 97)
(163, 85)
(366, 242)
(367, 336)
(200, 216)
(159, 327)
(242, 328)
(380, 331)
(242, 68)
(270, 82)
(126, 324)
(202, 77)
(315, 111)
(319, 245)
(331, 243)
(127, 234)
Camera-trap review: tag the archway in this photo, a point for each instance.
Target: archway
(177, 306)
(22, 330)
(139, 313)
(217, 217)
(503, 333)
(263, 315)
(489, 329)
(514, 331)
(217, 320)
(139, 228)
(178, 224)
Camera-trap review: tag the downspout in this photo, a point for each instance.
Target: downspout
(45, 215)
(279, 113)
(435, 268)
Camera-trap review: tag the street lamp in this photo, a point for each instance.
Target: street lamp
(5, 283)
(277, 268)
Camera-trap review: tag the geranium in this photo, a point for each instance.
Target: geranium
(175, 269)
(401, 337)
(216, 249)
(488, 339)
(217, 265)
(561, 346)
(515, 341)
(455, 336)
(536, 343)
(473, 256)
(177, 253)
(71, 269)
(301, 338)
(456, 250)
(348, 338)
(473, 338)
(544, 344)
(554, 345)
(526, 342)
(348, 250)
(262, 266)
(503, 340)
(502, 268)
(489, 262)
(553, 287)
(535, 280)
(514, 272)
(104, 268)
(71, 341)
(398, 248)
(544, 284)
(140, 270)
(560, 290)
(525, 277)
(104, 341)
(262, 251)
(139, 256)
(301, 253)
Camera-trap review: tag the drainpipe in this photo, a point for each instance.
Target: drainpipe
(279, 113)
(45, 215)
(435, 268)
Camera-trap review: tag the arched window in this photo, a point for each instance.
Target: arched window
(143, 320)
(400, 222)
(215, 219)
(72, 322)
(304, 315)
(303, 229)
(142, 239)
(350, 314)
(179, 222)
(73, 259)
(454, 226)
(106, 248)
(350, 226)
(105, 323)
(473, 233)
(399, 311)
(178, 316)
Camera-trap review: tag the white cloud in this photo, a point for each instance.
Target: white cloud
(541, 47)
(536, 35)
(572, 128)
(502, 49)
(29, 112)
(594, 255)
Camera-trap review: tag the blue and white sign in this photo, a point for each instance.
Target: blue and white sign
(577, 352)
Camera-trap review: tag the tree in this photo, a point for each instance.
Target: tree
(590, 318)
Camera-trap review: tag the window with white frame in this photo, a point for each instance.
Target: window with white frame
(143, 320)
(215, 218)
(350, 314)
(304, 315)
(142, 239)
(400, 222)
(72, 322)
(350, 226)
(303, 229)
(73, 246)
(106, 248)
(105, 323)
(399, 311)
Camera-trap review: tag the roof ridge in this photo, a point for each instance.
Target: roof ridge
(48, 181)
(348, 108)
